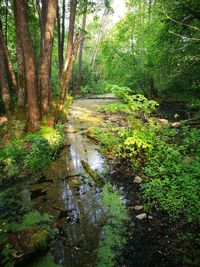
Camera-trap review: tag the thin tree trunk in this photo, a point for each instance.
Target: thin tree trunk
(8, 62)
(66, 76)
(80, 60)
(99, 37)
(59, 43)
(6, 26)
(61, 36)
(21, 94)
(73, 6)
(21, 7)
(46, 54)
(71, 51)
(4, 81)
(63, 31)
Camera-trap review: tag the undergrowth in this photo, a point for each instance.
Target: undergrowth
(28, 153)
(168, 158)
(22, 157)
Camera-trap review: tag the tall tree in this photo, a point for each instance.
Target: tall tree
(48, 22)
(71, 51)
(8, 60)
(101, 31)
(4, 79)
(80, 59)
(73, 8)
(21, 7)
(61, 35)
(21, 95)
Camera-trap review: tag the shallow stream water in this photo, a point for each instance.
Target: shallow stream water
(91, 220)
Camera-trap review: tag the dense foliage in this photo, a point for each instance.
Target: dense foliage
(149, 57)
(168, 158)
(154, 49)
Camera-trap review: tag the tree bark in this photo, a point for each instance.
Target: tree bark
(46, 53)
(61, 35)
(66, 76)
(71, 52)
(59, 42)
(4, 80)
(63, 31)
(73, 6)
(8, 62)
(21, 94)
(30, 69)
(99, 37)
(80, 60)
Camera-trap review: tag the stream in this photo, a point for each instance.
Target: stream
(92, 221)
(96, 225)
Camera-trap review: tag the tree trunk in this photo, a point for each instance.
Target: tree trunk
(71, 51)
(73, 6)
(59, 43)
(63, 31)
(46, 54)
(21, 7)
(3, 80)
(61, 35)
(66, 76)
(80, 60)
(8, 62)
(101, 31)
(21, 94)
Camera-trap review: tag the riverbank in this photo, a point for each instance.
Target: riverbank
(114, 224)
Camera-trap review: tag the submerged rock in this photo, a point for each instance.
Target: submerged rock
(28, 242)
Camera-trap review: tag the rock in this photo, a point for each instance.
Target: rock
(150, 217)
(162, 121)
(141, 216)
(176, 124)
(138, 207)
(28, 242)
(138, 180)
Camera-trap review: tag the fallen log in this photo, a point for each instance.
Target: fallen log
(98, 180)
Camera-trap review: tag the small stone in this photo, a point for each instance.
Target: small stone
(150, 217)
(138, 207)
(141, 216)
(163, 121)
(138, 180)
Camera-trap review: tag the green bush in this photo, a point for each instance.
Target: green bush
(172, 172)
(130, 103)
(33, 151)
(39, 155)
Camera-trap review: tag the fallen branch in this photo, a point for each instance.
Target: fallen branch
(95, 176)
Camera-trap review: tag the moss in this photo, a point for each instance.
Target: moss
(27, 242)
(95, 176)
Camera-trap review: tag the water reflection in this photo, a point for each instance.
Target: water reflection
(91, 220)
(112, 238)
